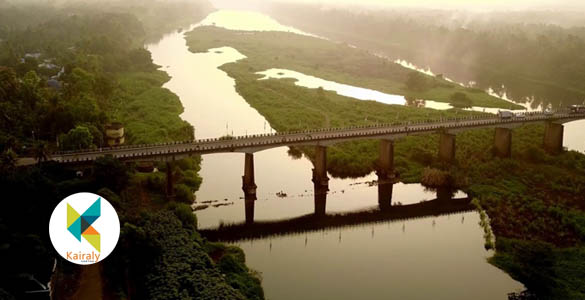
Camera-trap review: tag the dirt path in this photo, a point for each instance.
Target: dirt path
(90, 284)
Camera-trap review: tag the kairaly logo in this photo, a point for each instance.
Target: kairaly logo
(85, 238)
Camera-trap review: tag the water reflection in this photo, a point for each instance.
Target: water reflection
(437, 257)
(385, 189)
(443, 205)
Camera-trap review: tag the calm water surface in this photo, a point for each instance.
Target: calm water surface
(438, 257)
(358, 92)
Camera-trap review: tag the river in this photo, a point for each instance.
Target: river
(438, 257)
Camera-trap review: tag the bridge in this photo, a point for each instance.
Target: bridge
(322, 138)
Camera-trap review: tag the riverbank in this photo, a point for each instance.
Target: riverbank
(527, 208)
(335, 62)
(161, 232)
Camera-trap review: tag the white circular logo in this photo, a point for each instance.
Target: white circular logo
(84, 228)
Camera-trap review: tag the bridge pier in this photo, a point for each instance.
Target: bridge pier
(170, 191)
(320, 178)
(248, 182)
(386, 159)
(447, 147)
(553, 137)
(249, 187)
(385, 188)
(503, 142)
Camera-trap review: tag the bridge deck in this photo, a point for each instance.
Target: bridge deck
(254, 143)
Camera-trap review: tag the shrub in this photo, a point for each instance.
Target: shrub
(191, 179)
(460, 100)
(417, 82)
(184, 194)
(76, 139)
(534, 154)
(110, 196)
(436, 178)
(185, 214)
(422, 156)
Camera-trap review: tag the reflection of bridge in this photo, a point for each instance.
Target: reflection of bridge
(321, 138)
(319, 220)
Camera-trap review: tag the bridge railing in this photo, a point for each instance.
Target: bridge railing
(390, 128)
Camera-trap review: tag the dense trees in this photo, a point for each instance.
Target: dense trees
(103, 74)
(101, 71)
(76, 139)
(179, 263)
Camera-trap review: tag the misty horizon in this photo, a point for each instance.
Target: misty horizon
(481, 5)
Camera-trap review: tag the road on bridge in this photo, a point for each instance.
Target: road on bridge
(323, 137)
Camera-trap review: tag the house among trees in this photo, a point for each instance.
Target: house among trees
(115, 134)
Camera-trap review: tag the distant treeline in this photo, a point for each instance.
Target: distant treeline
(157, 16)
(519, 51)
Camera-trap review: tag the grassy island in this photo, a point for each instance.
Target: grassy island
(335, 62)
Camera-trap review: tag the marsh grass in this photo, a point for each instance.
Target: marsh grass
(331, 61)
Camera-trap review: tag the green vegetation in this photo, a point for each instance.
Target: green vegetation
(99, 73)
(435, 178)
(103, 79)
(77, 138)
(333, 61)
(484, 222)
(149, 112)
(157, 17)
(460, 100)
(492, 49)
(153, 230)
(533, 199)
(180, 263)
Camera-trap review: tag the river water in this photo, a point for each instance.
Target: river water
(430, 256)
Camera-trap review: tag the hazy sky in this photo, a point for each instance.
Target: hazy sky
(480, 4)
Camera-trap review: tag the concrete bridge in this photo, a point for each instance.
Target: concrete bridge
(321, 138)
(386, 212)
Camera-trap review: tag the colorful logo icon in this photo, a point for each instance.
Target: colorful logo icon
(80, 225)
(88, 237)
